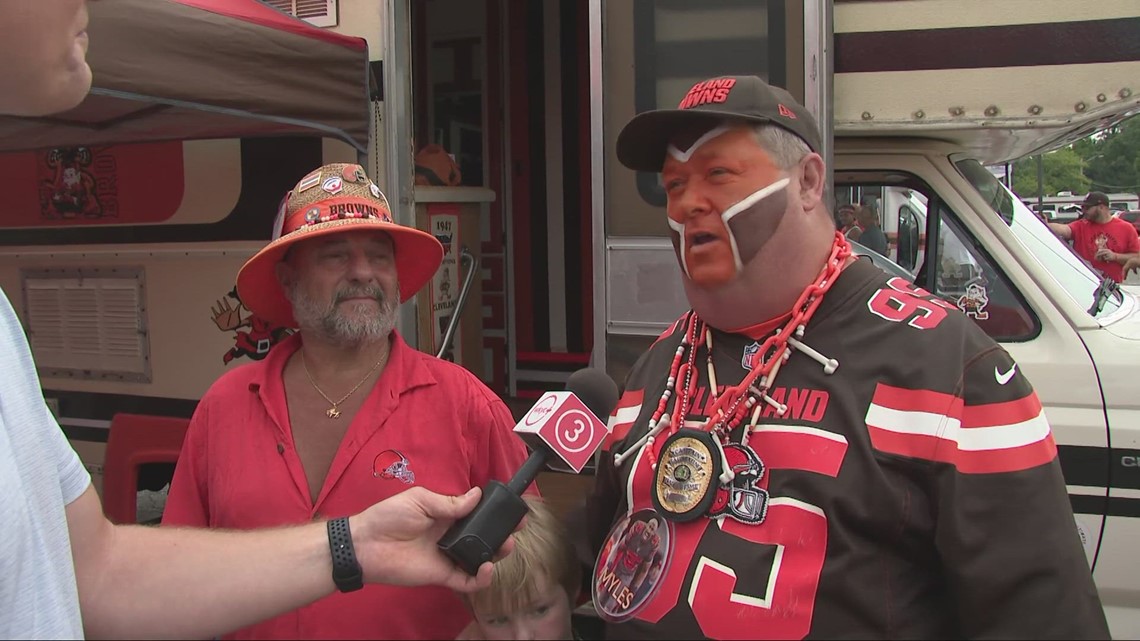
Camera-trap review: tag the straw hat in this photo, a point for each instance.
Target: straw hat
(334, 199)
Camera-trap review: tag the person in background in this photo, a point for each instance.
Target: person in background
(65, 571)
(847, 223)
(1104, 240)
(533, 590)
(872, 236)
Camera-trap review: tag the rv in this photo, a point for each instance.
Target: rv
(135, 311)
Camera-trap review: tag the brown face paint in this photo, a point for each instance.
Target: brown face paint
(754, 225)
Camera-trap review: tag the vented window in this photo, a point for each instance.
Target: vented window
(319, 13)
(88, 323)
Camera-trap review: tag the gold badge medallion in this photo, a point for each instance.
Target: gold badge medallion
(687, 475)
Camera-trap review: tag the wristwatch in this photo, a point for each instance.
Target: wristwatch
(346, 570)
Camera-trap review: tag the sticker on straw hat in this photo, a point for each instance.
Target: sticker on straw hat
(375, 191)
(354, 174)
(333, 184)
(310, 181)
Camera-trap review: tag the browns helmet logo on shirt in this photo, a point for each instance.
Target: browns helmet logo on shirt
(391, 464)
(742, 499)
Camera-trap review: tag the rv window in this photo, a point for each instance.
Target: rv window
(966, 277)
(954, 266)
(1054, 255)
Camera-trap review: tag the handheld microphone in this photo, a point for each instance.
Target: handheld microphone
(562, 428)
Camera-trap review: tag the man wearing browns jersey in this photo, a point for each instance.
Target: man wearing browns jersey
(343, 413)
(832, 452)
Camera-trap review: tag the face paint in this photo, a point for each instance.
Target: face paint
(747, 225)
(718, 216)
(684, 156)
(752, 221)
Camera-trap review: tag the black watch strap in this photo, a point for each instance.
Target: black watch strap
(346, 571)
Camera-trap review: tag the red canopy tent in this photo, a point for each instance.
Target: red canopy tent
(198, 69)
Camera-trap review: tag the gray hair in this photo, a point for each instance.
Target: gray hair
(786, 148)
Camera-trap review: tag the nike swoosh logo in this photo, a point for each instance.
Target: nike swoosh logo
(1003, 378)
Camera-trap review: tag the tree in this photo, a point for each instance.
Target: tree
(1112, 160)
(1062, 172)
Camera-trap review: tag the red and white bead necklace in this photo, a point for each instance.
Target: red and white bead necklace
(730, 408)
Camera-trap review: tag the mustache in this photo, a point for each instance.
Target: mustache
(346, 293)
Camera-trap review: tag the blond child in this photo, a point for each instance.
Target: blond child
(533, 590)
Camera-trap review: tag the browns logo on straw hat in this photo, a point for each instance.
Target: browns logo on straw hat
(334, 199)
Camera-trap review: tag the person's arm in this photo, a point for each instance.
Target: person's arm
(1062, 230)
(1131, 248)
(1005, 532)
(1109, 256)
(1133, 264)
(146, 582)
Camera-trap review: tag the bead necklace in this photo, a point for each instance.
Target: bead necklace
(730, 408)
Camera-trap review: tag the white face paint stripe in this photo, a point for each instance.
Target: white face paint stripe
(753, 198)
(684, 156)
(748, 201)
(680, 229)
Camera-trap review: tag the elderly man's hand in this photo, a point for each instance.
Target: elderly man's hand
(395, 540)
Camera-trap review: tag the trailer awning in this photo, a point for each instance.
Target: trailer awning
(199, 69)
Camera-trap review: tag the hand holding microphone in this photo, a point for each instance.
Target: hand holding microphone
(562, 427)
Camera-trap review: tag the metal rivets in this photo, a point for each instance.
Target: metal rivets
(1125, 92)
(867, 115)
(920, 114)
(992, 111)
(1101, 97)
(1081, 107)
(957, 111)
(1035, 110)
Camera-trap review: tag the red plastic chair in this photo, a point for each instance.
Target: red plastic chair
(136, 440)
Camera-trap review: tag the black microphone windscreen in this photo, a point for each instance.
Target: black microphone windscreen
(596, 390)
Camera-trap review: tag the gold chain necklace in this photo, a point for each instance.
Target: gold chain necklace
(333, 412)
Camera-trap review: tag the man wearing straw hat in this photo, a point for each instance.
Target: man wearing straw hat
(343, 413)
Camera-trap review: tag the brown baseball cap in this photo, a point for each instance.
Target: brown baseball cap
(1096, 198)
(642, 142)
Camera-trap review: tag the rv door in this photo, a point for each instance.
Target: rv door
(645, 54)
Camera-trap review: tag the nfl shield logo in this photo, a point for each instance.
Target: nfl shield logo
(751, 354)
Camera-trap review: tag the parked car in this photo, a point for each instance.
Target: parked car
(1132, 216)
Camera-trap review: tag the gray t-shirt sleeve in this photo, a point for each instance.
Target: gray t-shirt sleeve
(73, 475)
(39, 475)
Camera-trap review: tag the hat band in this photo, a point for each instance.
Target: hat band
(336, 209)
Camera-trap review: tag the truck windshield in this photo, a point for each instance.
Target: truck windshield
(1074, 274)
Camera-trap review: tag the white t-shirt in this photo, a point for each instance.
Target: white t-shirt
(39, 475)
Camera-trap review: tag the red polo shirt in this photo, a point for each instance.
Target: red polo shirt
(239, 469)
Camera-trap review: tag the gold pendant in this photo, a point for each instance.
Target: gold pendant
(687, 475)
(333, 412)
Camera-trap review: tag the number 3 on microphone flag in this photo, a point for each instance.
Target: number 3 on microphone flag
(562, 423)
